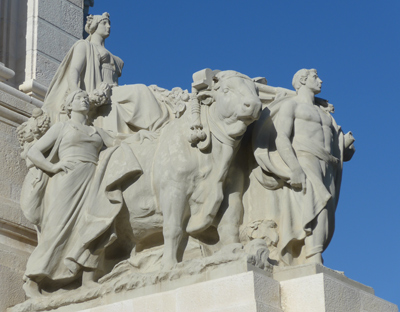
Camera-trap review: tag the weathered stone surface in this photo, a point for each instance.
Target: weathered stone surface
(17, 236)
(66, 15)
(78, 3)
(320, 292)
(253, 290)
(214, 288)
(72, 19)
(11, 293)
(288, 273)
(45, 69)
(138, 190)
(53, 41)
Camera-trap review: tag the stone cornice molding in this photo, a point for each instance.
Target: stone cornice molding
(34, 89)
(13, 104)
(20, 95)
(21, 233)
(5, 73)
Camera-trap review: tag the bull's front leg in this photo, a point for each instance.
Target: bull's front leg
(173, 205)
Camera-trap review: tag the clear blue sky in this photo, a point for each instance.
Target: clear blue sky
(354, 45)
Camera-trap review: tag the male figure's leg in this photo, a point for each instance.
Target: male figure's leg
(315, 242)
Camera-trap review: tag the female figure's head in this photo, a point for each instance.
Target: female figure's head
(99, 25)
(77, 101)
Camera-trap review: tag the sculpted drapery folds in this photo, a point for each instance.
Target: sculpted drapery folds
(91, 67)
(65, 193)
(138, 169)
(166, 184)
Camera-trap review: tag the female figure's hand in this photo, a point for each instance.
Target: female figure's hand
(63, 166)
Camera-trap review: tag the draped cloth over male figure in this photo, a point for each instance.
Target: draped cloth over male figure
(299, 150)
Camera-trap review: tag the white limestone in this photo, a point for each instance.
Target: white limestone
(323, 293)
(294, 272)
(248, 291)
(138, 194)
(170, 169)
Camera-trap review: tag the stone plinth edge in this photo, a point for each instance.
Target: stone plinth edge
(286, 273)
(124, 285)
(227, 289)
(324, 293)
(5, 73)
(250, 292)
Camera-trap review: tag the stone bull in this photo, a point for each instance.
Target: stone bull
(181, 188)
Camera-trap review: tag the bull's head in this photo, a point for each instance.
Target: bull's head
(234, 99)
(236, 102)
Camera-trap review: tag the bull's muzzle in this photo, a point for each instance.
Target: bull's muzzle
(251, 109)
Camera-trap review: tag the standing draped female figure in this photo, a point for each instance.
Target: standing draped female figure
(72, 194)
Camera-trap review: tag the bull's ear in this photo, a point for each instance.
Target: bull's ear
(206, 97)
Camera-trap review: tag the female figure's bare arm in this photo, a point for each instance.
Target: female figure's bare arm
(77, 65)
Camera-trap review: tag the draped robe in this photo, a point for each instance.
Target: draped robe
(293, 211)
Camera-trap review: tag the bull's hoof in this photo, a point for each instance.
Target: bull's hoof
(168, 265)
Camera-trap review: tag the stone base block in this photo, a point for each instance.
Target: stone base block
(312, 288)
(250, 292)
(325, 293)
(307, 288)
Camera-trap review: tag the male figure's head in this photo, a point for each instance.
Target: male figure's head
(307, 78)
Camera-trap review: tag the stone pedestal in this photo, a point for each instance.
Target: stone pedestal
(326, 291)
(322, 292)
(250, 292)
(315, 288)
(233, 287)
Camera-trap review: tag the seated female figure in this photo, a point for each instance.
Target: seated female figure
(91, 67)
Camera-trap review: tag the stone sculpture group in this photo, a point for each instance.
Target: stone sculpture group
(139, 172)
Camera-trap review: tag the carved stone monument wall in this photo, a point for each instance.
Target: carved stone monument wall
(34, 37)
